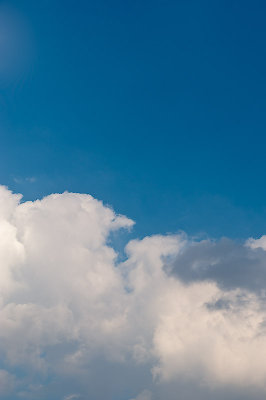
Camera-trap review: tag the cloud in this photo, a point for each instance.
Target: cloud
(29, 179)
(177, 316)
(257, 243)
(72, 397)
(228, 263)
(145, 395)
(7, 383)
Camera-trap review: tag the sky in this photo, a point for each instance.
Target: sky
(132, 200)
(154, 107)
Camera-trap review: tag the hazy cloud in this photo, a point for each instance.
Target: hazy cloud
(145, 395)
(72, 397)
(29, 179)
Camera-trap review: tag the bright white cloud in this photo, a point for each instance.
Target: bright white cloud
(72, 317)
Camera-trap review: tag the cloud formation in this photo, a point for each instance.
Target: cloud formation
(177, 316)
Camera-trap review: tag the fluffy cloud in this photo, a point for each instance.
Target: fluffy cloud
(177, 316)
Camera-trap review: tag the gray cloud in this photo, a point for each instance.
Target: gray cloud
(232, 265)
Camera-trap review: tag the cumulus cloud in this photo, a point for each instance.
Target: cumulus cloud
(177, 316)
(230, 264)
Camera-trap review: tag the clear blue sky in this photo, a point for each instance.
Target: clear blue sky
(155, 107)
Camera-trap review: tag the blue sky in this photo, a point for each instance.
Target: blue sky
(155, 107)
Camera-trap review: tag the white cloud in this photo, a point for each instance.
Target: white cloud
(74, 320)
(257, 243)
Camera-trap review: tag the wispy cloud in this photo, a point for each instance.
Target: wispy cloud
(29, 179)
(72, 396)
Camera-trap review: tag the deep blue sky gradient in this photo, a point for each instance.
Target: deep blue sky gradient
(156, 107)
